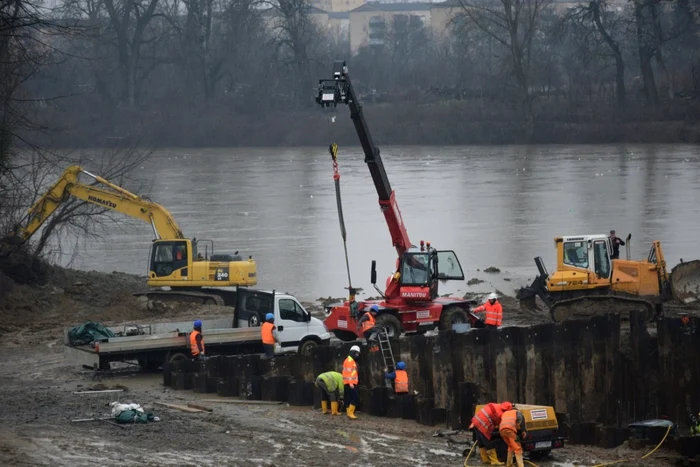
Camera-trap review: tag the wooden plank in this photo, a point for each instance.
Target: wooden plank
(179, 407)
(99, 392)
(200, 407)
(239, 401)
(123, 427)
(90, 419)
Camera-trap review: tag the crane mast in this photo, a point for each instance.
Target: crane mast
(339, 90)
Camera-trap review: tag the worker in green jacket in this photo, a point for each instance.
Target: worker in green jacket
(331, 385)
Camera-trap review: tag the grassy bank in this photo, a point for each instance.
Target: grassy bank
(449, 123)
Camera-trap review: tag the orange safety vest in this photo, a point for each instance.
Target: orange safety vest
(369, 323)
(401, 381)
(193, 343)
(488, 419)
(494, 313)
(266, 331)
(509, 421)
(350, 371)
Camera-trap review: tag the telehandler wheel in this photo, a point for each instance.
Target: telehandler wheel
(452, 315)
(391, 323)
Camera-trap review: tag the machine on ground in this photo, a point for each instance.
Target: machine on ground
(175, 262)
(587, 282)
(410, 302)
(154, 344)
(542, 432)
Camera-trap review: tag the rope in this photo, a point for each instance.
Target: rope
(605, 464)
(333, 149)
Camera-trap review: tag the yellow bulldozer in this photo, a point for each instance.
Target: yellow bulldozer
(178, 269)
(588, 282)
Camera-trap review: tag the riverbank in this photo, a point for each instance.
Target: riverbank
(445, 123)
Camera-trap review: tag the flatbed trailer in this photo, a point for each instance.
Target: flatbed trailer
(151, 345)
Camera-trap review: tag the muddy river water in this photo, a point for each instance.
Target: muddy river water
(494, 206)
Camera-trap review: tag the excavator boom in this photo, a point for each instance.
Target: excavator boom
(108, 195)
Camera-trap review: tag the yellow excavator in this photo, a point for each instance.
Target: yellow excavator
(588, 282)
(175, 262)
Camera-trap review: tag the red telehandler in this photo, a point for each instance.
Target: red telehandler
(410, 302)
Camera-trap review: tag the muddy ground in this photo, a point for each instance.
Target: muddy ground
(38, 403)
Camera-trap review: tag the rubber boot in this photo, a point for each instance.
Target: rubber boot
(334, 408)
(493, 457)
(484, 456)
(519, 459)
(324, 407)
(509, 459)
(351, 412)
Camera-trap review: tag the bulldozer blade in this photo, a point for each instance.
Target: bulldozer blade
(685, 282)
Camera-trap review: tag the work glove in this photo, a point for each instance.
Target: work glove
(352, 386)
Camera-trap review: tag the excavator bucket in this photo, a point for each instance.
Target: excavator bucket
(685, 282)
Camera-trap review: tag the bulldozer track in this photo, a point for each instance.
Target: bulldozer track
(599, 305)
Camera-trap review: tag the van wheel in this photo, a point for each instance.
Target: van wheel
(307, 347)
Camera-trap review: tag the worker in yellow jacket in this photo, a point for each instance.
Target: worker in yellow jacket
(331, 385)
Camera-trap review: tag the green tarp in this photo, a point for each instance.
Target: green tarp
(87, 333)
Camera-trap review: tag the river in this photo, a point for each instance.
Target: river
(493, 205)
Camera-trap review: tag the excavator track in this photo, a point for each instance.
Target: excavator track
(599, 305)
(176, 296)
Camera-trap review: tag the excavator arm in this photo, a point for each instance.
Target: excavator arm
(339, 90)
(104, 194)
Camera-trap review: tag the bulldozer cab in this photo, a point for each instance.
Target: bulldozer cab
(589, 252)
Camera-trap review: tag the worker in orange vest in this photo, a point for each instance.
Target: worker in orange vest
(350, 381)
(483, 425)
(494, 311)
(268, 336)
(513, 424)
(400, 378)
(368, 321)
(197, 342)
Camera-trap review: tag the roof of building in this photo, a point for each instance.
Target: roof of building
(338, 14)
(377, 6)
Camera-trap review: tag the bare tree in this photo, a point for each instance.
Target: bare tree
(593, 17)
(129, 20)
(298, 42)
(514, 25)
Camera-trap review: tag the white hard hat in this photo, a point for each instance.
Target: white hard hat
(355, 348)
(493, 296)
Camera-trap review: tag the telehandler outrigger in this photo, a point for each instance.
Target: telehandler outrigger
(410, 302)
(175, 261)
